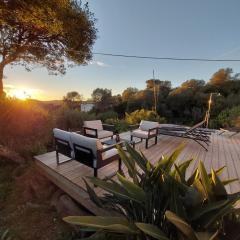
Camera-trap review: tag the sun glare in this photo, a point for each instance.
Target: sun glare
(21, 94)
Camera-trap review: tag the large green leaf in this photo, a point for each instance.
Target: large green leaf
(191, 179)
(218, 186)
(206, 182)
(181, 225)
(170, 161)
(228, 181)
(134, 190)
(111, 224)
(93, 196)
(114, 188)
(152, 231)
(141, 161)
(205, 209)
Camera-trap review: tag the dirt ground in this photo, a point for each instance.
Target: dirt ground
(25, 205)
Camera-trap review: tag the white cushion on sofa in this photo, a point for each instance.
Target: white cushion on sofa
(96, 124)
(62, 135)
(146, 125)
(110, 153)
(104, 134)
(139, 133)
(92, 143)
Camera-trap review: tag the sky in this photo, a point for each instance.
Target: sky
(159, 28)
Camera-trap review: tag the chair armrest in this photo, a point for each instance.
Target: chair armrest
(108, 127)
(134, 126)
(91, 129)
(110, 147)
(152, 129)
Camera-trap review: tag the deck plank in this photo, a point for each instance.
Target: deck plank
(69, 174)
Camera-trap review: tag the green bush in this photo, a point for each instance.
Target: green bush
(142, 114)
(71, 119)
(107, 115)
(229, 117)
(159, 201)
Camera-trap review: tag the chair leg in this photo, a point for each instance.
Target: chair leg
(131, 137)
(119, 164)
(146, 144)
(57, 156)
(95, 172)
(155, 140)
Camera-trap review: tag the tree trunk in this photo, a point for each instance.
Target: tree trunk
(1, 81)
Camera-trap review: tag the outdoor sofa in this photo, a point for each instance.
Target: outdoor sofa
(86, 150)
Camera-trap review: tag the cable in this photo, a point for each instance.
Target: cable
(144, 57)
(168, 58)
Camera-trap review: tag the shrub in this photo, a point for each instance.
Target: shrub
(159, 202)
(24, 126)
(71, 119)
(138, 115)
(107, 115)
(229, 117)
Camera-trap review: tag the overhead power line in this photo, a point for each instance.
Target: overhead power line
(167, 58)
(144, 57)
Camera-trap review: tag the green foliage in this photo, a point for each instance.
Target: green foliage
(71, 119)
(229, 117)
(158, 200)
(6, 234)
(142, 114)
(47, 34)
(104, 116)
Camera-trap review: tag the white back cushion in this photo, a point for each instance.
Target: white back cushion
(63, 135)
(146, 125)
(92, 143)
(96, 124)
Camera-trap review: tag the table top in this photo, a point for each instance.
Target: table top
(113, 141)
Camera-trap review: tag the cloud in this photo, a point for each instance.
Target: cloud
(98, 63)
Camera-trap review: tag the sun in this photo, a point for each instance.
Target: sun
(21, 94)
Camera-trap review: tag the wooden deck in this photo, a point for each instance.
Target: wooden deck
(69, 176)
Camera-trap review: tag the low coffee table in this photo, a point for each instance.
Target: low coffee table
(114, 141)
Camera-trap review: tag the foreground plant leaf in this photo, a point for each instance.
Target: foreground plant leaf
(112, 224)
(181, 225)
(152, 231)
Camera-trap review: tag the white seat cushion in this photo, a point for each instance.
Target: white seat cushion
(109, 153)
(96, 124)
(92, 143)
(62, 135)
(104, 134)
(139, 133)
(146, 125)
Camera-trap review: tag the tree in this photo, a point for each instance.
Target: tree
(129, 93)
(103, 98)
(46, 33)
(221, 76)
(72, 99)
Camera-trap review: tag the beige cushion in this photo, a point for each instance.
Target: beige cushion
(104, 134)
(96, 124)
(109, 153)
(139, 133)
(146, 125)
(92, 143)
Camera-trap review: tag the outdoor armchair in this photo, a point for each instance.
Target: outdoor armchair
(146, 130)
(96, 129)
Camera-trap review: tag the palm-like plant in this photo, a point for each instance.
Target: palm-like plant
(159, 202)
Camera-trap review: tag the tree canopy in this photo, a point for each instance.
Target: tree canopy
(48, 33)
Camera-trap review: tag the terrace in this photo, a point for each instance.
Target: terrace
(223, 150)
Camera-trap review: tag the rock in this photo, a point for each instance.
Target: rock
(65, 206)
